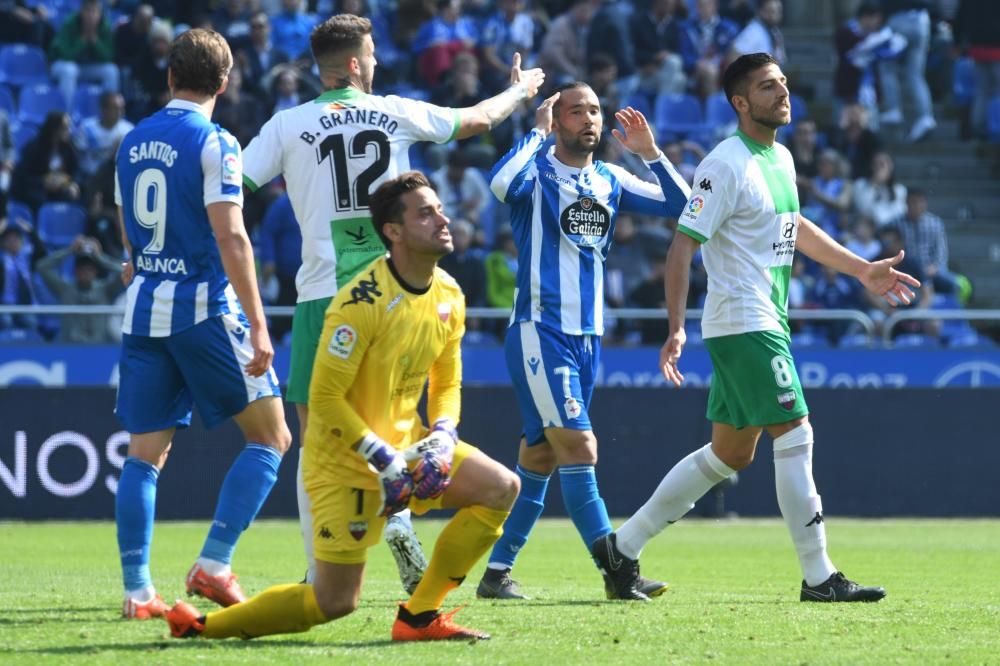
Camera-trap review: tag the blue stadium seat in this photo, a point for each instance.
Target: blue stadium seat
(963, 81)
(718, 111)
(37, 101)
(993, 119)
(59, 223)
(48, 325)
(970, 339)
(677, 116)
(800, 110)
(86, 102)
(23, 133)
(19, 211)
(7, 102)
(638, 101)
(17, 336)
(23, 65)
(809, 340)
(855, 341)
(916, 341)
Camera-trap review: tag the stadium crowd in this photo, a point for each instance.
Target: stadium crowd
(76, 74)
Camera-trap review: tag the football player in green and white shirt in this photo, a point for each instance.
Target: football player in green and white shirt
(333, 151)
(744, 214)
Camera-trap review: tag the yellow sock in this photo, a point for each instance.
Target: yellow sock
(282, 609)
(462, 542)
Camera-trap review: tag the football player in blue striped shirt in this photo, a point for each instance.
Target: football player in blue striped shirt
(194, 329)
(564, 205)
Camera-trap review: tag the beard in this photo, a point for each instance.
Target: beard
(772, 118)
(576, 144)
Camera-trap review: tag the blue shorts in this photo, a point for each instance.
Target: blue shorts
(161, 378)
(553, 375)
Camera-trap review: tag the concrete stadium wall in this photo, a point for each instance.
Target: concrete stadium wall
(903, 452)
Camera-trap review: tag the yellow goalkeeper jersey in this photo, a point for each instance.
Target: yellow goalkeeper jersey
(382, 342)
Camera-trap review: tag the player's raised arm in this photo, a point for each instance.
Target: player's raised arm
(641, 197)
(877, 276)
(489, 113)
(509, 179)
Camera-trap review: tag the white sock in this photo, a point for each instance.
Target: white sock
(214, 567)
(143, 595)
(305, 519)
(683, 485)
(800, 503)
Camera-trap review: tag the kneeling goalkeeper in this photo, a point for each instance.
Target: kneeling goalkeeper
(389, 331)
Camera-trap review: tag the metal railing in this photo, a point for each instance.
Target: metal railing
(933, 315)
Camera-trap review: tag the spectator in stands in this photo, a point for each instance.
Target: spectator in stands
(83, 51)
(102, 213)
(464, 192)
(656, 36)
(258, 55)
(649, 294)
(705, 40)
(15, 275)
(628, 265)
(879, 196)
(279, 241)
(834, 291)
(462, 87)
(285, 89)
(24, 23)
(7, 154)
(828, 194)
(976, 28)
(863, 241)
(861, 42)
(441, 38)
(86, 288)
(562, 54)
(240, 113)
(804, 148)
(602, 74)
(509, 30)
(465, 264)
(678, 153)
(763, 33)
(856, 141)
(291, 27)
(98, 136)
(925, 238)
(613, 38)
(231, 19)
(131, 37)
(740, 12)
(150, 73)
(911, 19)
(48, 166)
(892, 243)
(799, 285)
(501, 270)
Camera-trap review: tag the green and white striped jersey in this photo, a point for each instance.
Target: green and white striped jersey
(744, 210)
(333, 152)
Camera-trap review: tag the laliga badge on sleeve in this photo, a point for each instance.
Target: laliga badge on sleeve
(342, 341)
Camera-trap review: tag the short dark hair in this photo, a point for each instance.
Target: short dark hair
(200, 60)
(572, 85)
(600, 61)
(338, 34)
(386, 202)
(915, 192)
(735, 78)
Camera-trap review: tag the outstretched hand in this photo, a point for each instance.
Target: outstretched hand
(638, 135)
(894, 286)
(531, 79)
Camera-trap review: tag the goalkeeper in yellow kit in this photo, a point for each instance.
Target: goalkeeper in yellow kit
(393, 328)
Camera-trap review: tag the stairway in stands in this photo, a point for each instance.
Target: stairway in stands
(960, 177)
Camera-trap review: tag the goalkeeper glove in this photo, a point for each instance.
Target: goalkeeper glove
(433, 454)
(395, 481)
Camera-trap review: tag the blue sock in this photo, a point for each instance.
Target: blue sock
(523, 516)
(247, 485)
(584, 503)
(135, 506)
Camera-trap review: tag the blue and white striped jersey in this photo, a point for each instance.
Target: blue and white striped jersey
(168, 169)
(563, 220)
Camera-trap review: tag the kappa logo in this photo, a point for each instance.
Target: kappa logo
(359, 237)
(358, 529)
(364, 291)
(533, 363)
(324, 533)
(705, 184)
(816, 520)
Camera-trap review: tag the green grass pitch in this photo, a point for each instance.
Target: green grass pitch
(733, 599)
